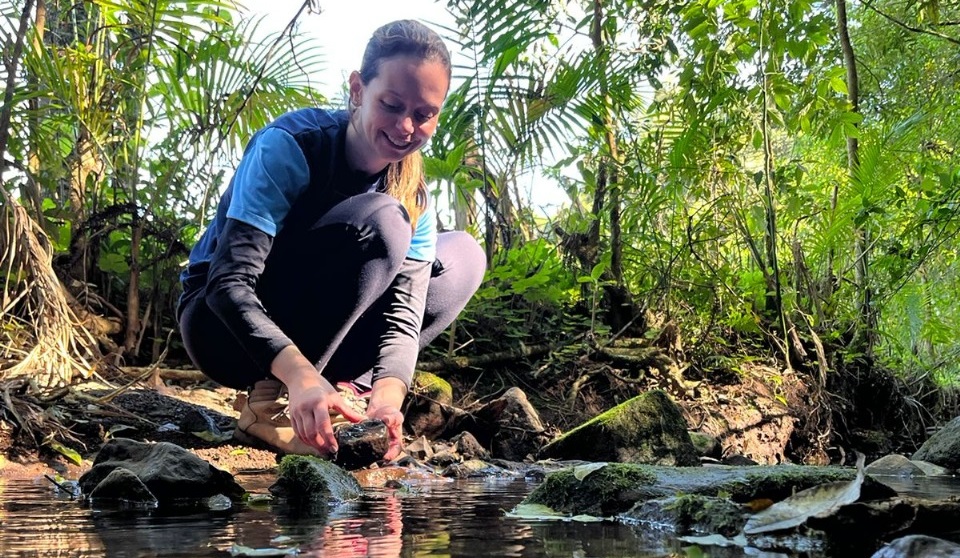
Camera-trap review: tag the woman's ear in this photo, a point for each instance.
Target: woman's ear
(356, 89)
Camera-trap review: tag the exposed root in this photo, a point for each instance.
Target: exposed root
(34, 311)
(35, 424)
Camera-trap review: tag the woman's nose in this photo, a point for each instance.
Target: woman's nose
(405, 124)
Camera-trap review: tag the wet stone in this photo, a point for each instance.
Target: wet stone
(122, 485)
(919, 545)
(305, 478)
(361, 444)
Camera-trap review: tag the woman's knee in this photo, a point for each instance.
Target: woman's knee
(378, 219)
(459, 252)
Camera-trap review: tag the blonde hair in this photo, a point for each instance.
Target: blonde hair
(405, 179)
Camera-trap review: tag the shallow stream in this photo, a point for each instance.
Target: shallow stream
(441, 518)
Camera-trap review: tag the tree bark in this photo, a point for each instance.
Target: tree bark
(865, 337)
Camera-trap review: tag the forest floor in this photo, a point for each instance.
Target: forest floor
(761, 412)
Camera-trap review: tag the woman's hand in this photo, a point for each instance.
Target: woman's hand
(310, 410)
(312, 399)
(385, 402)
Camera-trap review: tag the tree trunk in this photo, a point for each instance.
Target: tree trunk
(865, 337)
(32, 187)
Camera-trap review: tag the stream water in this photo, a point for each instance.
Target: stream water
(464, 518)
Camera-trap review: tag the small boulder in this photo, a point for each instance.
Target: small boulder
(430, 406)
(916, 546)
(468, 446)
(170, 472)
(930, 469)
(943, 448)
(305, 478)
(894, 465)
(420, 449)
(518, 430)
(646, 429)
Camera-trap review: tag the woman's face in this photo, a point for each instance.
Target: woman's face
(396, 112)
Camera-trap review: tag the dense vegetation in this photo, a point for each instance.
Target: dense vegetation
(762, 178)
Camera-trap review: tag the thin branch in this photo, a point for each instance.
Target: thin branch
(910, 27)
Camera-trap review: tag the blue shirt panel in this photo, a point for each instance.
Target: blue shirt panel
(423, 246)
(271, 176)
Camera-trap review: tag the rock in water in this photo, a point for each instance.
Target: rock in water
(305, 479)
(122, 486)
(916, 546)
(170, 472)
(943, 448)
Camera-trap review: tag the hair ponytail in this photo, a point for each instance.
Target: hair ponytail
(405, 182)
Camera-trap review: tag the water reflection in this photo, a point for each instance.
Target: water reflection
(429, 519)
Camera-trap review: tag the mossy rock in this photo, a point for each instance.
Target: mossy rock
(304, 478)
(612, 488)
(647, 429)
(705, 444)
(433, 387)
(690, 514)
(604, 491)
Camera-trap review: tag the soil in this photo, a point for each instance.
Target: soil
(140, 413)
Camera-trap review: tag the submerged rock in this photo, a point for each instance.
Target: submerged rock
(916, 546)
(168, 471)
(690, 513)
(614, 488)
(305, 478)
(646, 429)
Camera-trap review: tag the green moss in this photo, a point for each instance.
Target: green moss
(603, 492)
(433, 387)
(705, 514)
(646, 429)
(311, 478)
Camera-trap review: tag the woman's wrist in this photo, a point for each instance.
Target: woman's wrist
(388, 392)
(294, 370)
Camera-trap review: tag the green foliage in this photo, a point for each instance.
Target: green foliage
(702, 146)
(125, 120)
(523, 299)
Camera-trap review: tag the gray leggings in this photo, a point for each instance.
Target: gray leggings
(342, 305)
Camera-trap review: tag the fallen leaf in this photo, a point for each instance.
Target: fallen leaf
(580, 472)
(818, 501)
(716, 540)
(208, 436)
(69, 453)
(535, 511)
(240, 550)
